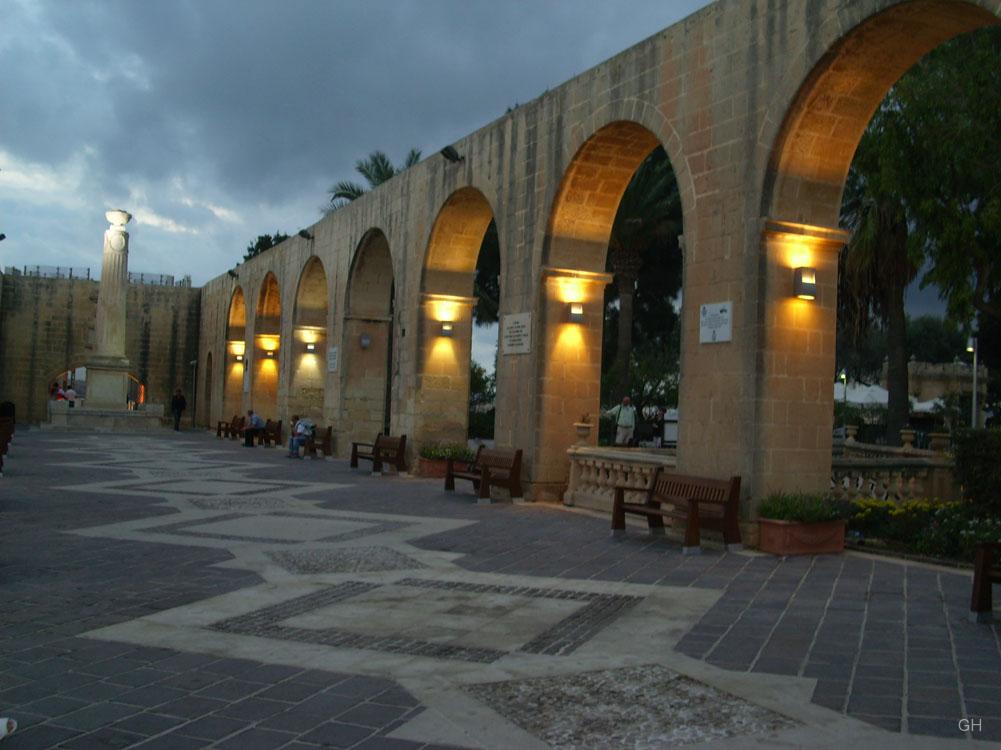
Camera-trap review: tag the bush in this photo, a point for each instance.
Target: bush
(949, 530)
(441, 451)
(802, 507)
(481, 424)
(978, 467)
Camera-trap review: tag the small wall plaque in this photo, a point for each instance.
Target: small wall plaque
(715, 322)
(516, 333)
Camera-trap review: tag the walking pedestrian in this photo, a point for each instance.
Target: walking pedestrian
(177, 405)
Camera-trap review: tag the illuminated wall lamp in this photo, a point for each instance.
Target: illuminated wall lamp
(310, 347)
(804, 283)
(447, 329)
(271, 352)
(239, 357)
(575, 312)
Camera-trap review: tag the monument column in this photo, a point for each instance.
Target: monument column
(107, 370)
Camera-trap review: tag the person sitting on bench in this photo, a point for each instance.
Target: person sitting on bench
(254, 428)
(302, 431)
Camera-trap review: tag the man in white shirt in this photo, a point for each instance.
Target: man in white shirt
(625, 421)
(71, 395)
(301, 429)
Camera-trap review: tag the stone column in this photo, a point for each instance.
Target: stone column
(114, 286)
(108, 369)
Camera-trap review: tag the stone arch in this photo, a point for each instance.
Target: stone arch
(574, 258)
(368, 343)
(309, 342)
(267, 347)
(446, 324)
(811, 133)
(235, 361)
(822, 117)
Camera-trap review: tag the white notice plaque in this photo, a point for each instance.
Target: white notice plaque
(516, 333)
(715, 322)
(332, 354)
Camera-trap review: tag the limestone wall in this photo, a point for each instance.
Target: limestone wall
(759, 107)
(47, 327)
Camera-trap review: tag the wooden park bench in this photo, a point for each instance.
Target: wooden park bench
(272, 434)
(492, 467)
(322, 439)
(385, 449)
(697, 501)
(229, 429)
(986, 572)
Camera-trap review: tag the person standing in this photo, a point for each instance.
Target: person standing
(625, 421)
(253, 428)
(177, 405)
(70, 395)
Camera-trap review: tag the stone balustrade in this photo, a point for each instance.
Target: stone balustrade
(896, 478)
(595, 472)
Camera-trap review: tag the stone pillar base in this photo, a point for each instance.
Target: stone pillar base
(107, 385)
(89, 419)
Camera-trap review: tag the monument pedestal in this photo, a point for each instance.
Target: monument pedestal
(107, 385)
(90, 419)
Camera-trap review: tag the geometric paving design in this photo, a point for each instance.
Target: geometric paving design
(640, 707)
(227, 527)
(562, 638)
(343, 560)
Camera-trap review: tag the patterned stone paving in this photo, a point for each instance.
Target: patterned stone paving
(344, 560)
(631, 707)
(883, 642)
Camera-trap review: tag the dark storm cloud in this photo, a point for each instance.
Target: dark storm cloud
(257, 107)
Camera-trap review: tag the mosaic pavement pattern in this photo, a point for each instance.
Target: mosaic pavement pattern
(640, 707)
(177, 591)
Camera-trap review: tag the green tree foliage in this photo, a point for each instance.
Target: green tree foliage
(641, 324)
(486, 282)
(262, 243)
(376, 168)
(931, 339)
(922, 191)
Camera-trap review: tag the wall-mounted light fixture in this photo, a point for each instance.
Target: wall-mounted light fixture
(239, 357)
(271, 352)
(310, 347)
(804, 283)
(447, 329)
(365, 341)
(575, 312)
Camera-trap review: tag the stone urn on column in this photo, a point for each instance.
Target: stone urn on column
(108, 368)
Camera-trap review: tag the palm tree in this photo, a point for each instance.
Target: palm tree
(878, 262)
(376, 168)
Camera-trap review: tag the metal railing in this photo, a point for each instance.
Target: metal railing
(49, 272)
(158, 279)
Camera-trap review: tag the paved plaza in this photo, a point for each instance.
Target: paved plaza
(179, 591)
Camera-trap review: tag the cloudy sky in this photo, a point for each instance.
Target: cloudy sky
(215, 121)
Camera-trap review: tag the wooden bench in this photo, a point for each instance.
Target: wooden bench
(385, 449)
(697, 501)
(322, 439)
(271, 435)
(224, 429)
(492, 467)
(986, 572)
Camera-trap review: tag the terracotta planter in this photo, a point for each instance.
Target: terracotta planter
(432, 467)
(795, 538)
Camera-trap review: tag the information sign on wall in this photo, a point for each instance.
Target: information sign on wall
(715, 322)
(516, 333)
(332, 357)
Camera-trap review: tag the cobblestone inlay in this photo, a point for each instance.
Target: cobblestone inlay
(349, 560)
(185, 528)
(559, 640)
(265, 623)
(240, 503)
(641, 707)
(567, 635)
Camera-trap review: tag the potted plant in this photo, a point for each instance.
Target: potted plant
(434, 457)
(583, 428)
(801, 524)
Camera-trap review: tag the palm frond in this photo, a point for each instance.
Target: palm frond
(376, 168)
(413, 157)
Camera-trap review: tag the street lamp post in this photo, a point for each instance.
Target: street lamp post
(971, 346)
